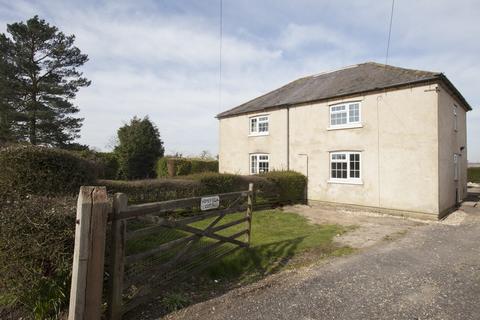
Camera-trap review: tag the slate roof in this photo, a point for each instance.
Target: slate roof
(360, 78)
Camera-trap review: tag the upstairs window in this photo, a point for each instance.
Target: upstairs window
(455, 120)
(345, 166)
(259, 125)
(259, 163)
(344, 115)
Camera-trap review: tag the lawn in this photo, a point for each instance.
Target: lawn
(474, 174)
(279, 240)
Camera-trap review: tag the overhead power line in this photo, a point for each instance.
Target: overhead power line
(389, 32)
(220, 58)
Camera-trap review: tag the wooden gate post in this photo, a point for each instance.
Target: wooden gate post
(117, 258)
(249, 211)
(89, 254)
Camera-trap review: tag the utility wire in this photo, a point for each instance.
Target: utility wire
(220, 59)
(389, 32)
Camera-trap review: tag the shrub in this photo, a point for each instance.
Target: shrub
(170, 167)
(473, 174)
(36, 248)
(107, 163)
(139, 148)
(272, 188)
(290, 185)
(152, 190)
(220, 182)
(42, 171)
(199, 166)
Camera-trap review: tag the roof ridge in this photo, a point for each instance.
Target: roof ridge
(383, 65)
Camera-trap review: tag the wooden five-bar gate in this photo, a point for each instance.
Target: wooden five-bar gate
(151, 246)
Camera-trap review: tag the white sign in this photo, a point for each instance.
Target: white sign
(209, 203)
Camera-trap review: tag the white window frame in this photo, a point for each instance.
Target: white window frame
(254, 130)
(348, 179)
(456, 169)
(349, 123)
(455, 118)
(256, 169)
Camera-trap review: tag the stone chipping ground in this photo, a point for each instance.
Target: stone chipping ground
(415, 270)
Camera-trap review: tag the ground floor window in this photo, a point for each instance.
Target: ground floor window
(259, 163)
(345, 166)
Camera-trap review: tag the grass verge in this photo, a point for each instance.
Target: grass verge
(280, 240)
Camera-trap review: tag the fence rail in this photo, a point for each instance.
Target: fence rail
(184, 237)
(154, 244)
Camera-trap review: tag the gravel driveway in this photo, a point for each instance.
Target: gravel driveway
(433, 272)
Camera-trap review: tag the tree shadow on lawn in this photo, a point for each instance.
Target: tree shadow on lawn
(242, 267)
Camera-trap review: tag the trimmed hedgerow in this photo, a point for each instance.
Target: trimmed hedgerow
(171, 167)
(151, 190)
(274, 188)
(43, 171)
(290, 185)
(107, 165)
(36, 248)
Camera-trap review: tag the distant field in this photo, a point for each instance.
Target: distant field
(473, 174)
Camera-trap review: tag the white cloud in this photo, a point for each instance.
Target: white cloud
(161, 59)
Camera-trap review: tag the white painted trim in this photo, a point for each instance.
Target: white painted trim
(345, 126)
(346, 181)
(349, 124)
(259, 134)
(257, 155)
(347, 161)
(347, 101)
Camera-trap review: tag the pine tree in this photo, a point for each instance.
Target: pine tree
(38, 72)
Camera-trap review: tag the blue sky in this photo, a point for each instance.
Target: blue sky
(161, 58)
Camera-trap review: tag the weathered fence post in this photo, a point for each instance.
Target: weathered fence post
(249, 211)
(89, 254)
(117, 258)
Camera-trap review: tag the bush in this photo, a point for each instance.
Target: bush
(42, 171)
(139, 148)
(199, 166)
(273, 188)
(171, 167)
(220, 182)
(473, 174)
(36, 247)
(153, 190)
(107, 164)
(290, 185)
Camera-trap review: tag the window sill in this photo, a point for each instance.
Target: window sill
(346, 126)
(346, 181)
(258, 134)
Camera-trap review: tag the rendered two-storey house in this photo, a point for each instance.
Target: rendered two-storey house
(368, 135)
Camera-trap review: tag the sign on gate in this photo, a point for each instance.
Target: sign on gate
(208, 203)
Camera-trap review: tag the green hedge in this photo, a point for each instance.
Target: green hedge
(107, 165)
(36, 249)
(276, 187)
(291, 185)
(171, 167)
(43, 171)
(473, 174)
(152, 190)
